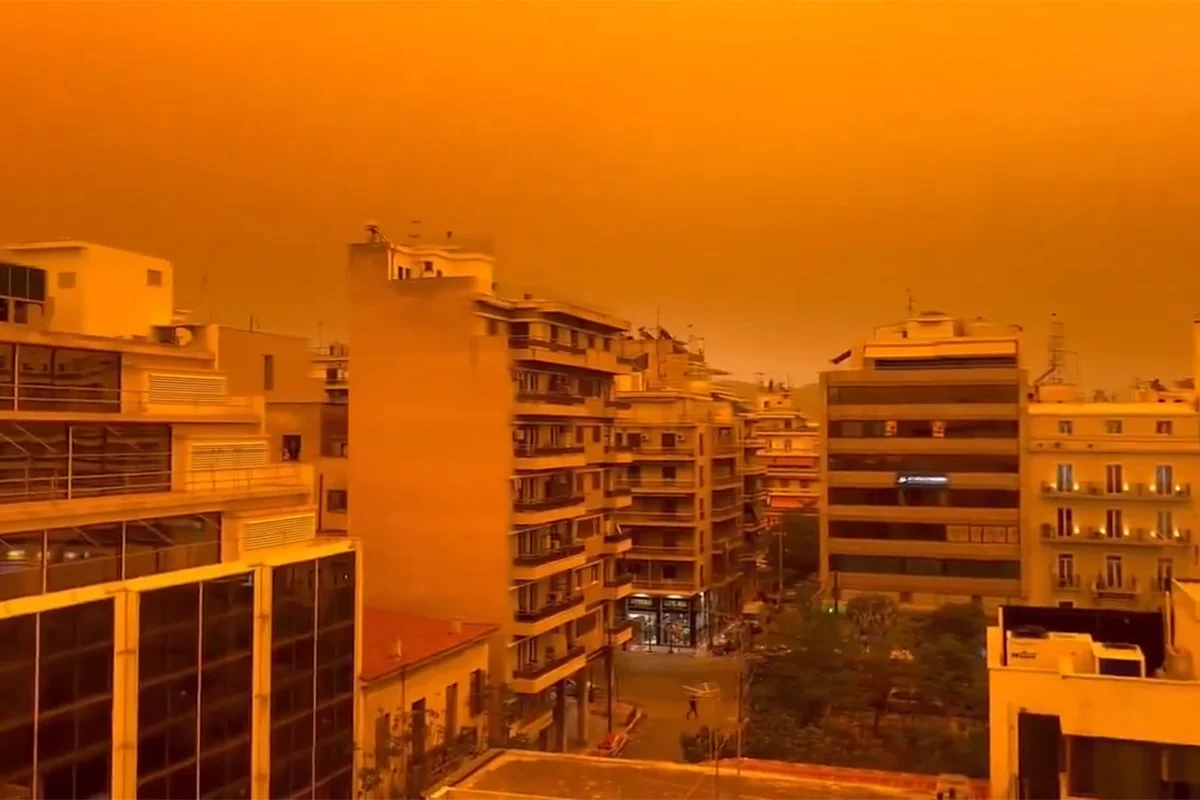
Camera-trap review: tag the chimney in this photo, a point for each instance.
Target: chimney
(456, 626)
(397, 649)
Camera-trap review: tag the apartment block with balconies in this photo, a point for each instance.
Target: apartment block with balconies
(496, 416)
(152, 546)
(1112, 518)
(921, 465)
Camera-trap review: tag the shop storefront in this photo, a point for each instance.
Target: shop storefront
(666, 624)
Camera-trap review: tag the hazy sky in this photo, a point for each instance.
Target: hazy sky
(776, 174)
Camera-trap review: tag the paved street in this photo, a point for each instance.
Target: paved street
(655, 681)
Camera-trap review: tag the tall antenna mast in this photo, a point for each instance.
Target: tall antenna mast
(1056, 361)
(911, 303)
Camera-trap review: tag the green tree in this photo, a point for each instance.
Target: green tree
(801, 539)
(874, 614)
(963, 621)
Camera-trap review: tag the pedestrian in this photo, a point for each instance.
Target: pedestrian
(693, 710)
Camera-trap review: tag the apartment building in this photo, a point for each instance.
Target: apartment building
(491, 420)
(1111, 507)
(331, 366)
(1095, 702)
(790, 454)
(689, 520)
(172, 624)
(921, 463)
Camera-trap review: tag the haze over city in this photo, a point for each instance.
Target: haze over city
(802, 163)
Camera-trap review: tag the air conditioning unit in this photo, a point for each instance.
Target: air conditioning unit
(1038, 648)
(1122, 660)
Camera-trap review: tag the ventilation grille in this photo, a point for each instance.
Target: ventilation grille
(262, 533)
(228, 455)
(188, 388)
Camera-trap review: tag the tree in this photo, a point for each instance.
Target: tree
(801, 547)
(874, 614)
(963, 621)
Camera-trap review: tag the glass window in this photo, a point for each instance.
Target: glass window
(7, 385)
(61, 379)
(924, 394)
(268, 368)
(83, 556)
(17, 672)
(1113, 426)
(167, 544)
(1066, 427)
(936, 464)
(1164, 426)
(21, 558)
(902, 531)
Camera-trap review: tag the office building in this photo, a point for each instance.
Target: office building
(689, 520)
(1111, 507)
(921, 464)
(172, 624)
(491, 420)
(424, 699)
(1095, 702)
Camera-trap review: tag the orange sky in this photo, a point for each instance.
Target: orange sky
(774, 173)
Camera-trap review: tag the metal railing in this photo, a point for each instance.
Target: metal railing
(539, 668)
(61, 485)
(643, 515)
(99, 400)
(1126, 588)
(619, 580)
(518, 342)
(546, 503)
(550, 609)
(554, 398)
(662, 584)
(1130, 535)
(527, 450)
(1101, 489)
(547, 556)
(680, 450)
(663, 483)
(663, 550)
(1064, 582)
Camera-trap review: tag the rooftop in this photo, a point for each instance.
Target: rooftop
(528, 774)
(1109, 409)
(422, 639)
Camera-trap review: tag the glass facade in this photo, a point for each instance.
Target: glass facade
(924, 394)
(933, 464)
(34, 562)
(937, 567)
(56, 461)
(195, 673)
(39, 378)
(56, 716)
(312, 678)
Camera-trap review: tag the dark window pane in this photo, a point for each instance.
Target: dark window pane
(21, 557)
(83, 556)
(33, 461)
(167, 544)
(924, 394)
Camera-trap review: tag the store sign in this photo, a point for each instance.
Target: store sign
(641, 602)
(913, 480)
(675, 604)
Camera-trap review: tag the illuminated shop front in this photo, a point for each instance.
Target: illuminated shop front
(669, 623)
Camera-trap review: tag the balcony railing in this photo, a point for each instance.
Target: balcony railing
(548, 556)
(620, 626)
(554, 398)
(537, 669)
(663, 584)
(726, 447)
(25, 396)
(617, 489)
(550, 609)
(526, 450)
(1128, 535)
(546, 503)
(619, 535)
(663, 550)
(520, 342)
(726, 479)
(622, 579)
(613, 402)
(1064, 582)
(58, 485)
(680, 450)
(1126, 588)
(1133, 491)
(643, 515)
(663, 483)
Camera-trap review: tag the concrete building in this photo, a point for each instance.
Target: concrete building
(424, 699)
(790, 455)
(488, 424)
(1095, 703)
(331, 366)
(1111, 508)
(689, 519)
(172, 624)
(921, 463)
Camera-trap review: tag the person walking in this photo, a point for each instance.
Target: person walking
(693, 710)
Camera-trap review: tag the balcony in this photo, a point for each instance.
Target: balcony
(544, 563)
(1065, 583)
(726, 448)
(535, 677)
(544, 457)
(1124, 590)
(620, 541)
(726, 511)
(563, 354)
(1098, 490)
(723, 480)
(1130, 536)
(619, 586)
(533, 622)
(169, 397)
(685, 516)
(675, 452)
(618, 454)
(663, 485)
(664, 585)
(540, 510)
(620, 632)
(673, 552)
(555, 403)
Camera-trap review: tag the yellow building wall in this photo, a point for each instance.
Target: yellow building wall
(240, 356)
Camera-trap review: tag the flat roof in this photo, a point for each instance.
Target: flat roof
(529, 774)
(422, 639)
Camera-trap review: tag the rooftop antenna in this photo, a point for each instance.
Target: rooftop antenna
(911, 301)
(373, 233)
(1055, 354)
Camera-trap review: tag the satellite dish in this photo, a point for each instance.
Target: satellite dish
(183, 336)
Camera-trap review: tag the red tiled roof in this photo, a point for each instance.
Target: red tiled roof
(421, 638)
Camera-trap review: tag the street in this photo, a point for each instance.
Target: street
(654, 682)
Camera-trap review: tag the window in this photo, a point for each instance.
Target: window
(335, 500)
(1165, 523)
(1114, 479)
(1165, 574)
(1114, 573)
(701, 508)
(595, 433)
(938, 464)
(450, 724)
(66, 280)
(668, 572)
(492, 327)
(291, 447)
(1164, 426)
(59, 379)
(154, 277)
(607, 344)
(1113, 526)
(268, 367)
(895, 531)
(700, 445)
(1112, 426)
(924, 394)
(1065, 478)
(591, 343)
(478, 689)
(938, 567)
(1066, 570)
(1164, 479)
(1066, 427)
(1065, 522)
(595, 480)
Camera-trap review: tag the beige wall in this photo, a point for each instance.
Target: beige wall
(430, 424)
(240, 356)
